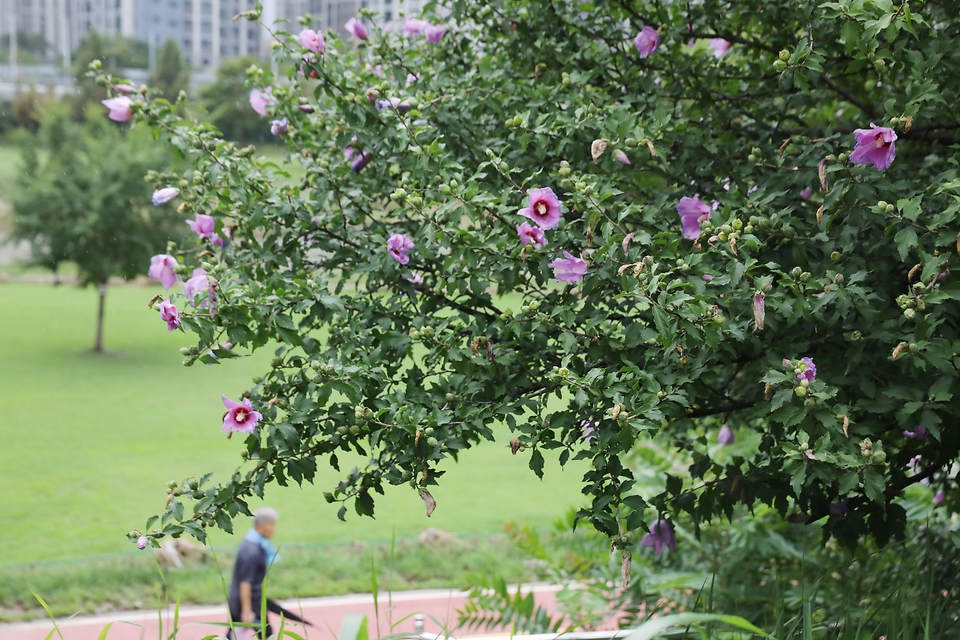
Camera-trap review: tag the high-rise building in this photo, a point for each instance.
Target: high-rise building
(204, 29)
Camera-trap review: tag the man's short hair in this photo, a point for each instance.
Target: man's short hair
(263, 515)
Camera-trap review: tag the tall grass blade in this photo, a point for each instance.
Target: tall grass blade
(56, 627)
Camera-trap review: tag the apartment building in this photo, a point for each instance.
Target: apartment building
(204, 29)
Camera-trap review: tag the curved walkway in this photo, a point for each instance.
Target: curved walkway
(438, 606)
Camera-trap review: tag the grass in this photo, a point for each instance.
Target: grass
(134, 582)
(90, 441)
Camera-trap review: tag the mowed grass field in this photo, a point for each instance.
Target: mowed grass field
(88, 442)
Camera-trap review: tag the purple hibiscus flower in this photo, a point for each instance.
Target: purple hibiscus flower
(876, 146)
(646, 41)
(693, 212)
(543, 207)
(569, 268)
(529, 233)
(661, 537)
(240, 416)
(399, 245)
(170, 315)
(162, 268)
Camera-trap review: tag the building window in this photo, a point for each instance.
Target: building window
(388, 15)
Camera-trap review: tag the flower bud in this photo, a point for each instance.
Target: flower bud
(779, 65)
(632, 142)
(801, 392)
(909, 314)
(842, 158)
(432, 442)
(805, 276)
(882, 205)
(796, 271)
(784, 55)
(142, 542)
(856, 335)
(328, 496)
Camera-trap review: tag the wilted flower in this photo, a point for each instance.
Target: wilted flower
(414, 26)
(361, 161)
(589, 430)
(661, 537)
(399, 245)
(939, 497)
(124, 88)
(543, 207)
(841, 508)
(569, 268)
(142, 543)
(279, 127)
(356, 28)
(707, 277)
(395, 103)
(693, 212)
(306, 108)
(240, 416)
(161, 268)
(919, 433)
(806, 192)
(434, 33)
(415, 278)
(808, 454)
(725, 436)
(759, 310)
(622, 157)
(646, 41)
(875, 146)
(719, 46)
(119, 108)
(260, 100)
(312, 40)
(822, 174)
(170, 315)
(165, 195)
(809, 371)
(529, 233)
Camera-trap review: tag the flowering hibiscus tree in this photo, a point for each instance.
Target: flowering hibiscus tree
(595, 224)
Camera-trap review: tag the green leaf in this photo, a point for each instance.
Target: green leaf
(536, 463)
(652, 628)
(873, 484)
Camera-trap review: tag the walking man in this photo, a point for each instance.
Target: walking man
(255, 556)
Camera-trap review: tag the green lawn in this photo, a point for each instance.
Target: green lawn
(89, 441)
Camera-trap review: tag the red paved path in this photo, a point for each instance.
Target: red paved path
(325, 613)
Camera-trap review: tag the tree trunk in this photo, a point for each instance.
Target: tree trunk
(98, 345)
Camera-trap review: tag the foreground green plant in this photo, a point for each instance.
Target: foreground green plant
(134, 583)
(703, 236)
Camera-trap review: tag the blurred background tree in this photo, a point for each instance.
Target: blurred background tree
(85, 201)
(171, 75)
(30, 47)
(227, 102)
